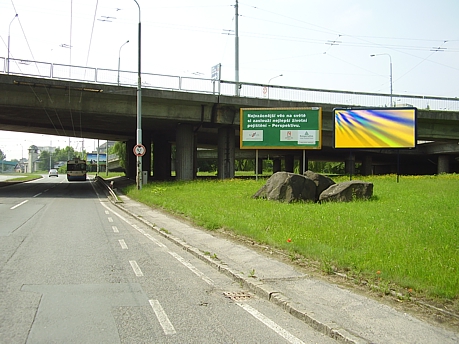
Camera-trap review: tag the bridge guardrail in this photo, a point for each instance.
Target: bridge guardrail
(221, 87)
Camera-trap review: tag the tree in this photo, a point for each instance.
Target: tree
(2, 155)
(119, 148)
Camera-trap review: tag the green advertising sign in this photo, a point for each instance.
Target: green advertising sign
(285, 128)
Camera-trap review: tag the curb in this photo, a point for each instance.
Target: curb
(259, 288)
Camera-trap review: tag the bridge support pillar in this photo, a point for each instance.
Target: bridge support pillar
(131, 160)
(443, 164)
(186, 152)
(289, 163)
(226, 153)
(366, 169)
(349, 164)
(161, 158)
(277, 163)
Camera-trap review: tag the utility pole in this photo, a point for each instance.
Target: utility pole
(236, 49)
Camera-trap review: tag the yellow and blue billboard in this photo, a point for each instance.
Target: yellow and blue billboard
(375, 128)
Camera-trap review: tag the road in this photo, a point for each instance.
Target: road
(73, 269)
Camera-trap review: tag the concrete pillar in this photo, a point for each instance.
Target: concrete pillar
(289, 163)
(443, 164)
(226, 153)
(276, 165)
(161, 158)
(185, 154)
(367, 168)
(349, 164)
(146, 159)
(131, 159)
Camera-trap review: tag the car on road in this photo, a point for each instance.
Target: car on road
(53, 173)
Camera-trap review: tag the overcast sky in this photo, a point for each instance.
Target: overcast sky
(317, 44)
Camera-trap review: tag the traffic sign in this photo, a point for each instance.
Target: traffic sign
(139, 150)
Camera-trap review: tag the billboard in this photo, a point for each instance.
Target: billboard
(375, 128)
(281, 128)
(91, 158)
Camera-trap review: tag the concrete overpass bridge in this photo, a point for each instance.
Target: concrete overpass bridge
(190, 113)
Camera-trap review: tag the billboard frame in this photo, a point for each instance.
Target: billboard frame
(364, 123)
(290, 127)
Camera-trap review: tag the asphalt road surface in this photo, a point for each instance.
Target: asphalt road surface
(73, 269)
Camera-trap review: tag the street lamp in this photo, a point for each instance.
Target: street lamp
(277, 76)
(9, 29)
(119, 61)
(139, 109)
(390, 60)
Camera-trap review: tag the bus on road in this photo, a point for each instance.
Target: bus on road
(76, 169)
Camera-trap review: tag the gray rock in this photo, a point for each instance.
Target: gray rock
(322, 182)
(288, 187)
(347, 191)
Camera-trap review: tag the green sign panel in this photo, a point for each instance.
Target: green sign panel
(285, 128)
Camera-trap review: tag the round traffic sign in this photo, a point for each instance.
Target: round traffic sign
(139, 150)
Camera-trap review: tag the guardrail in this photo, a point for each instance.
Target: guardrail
(221, 87)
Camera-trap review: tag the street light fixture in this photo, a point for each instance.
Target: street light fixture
(119, 61)
(9, 30)
(390, 73)
(277, 76)
(139, 109)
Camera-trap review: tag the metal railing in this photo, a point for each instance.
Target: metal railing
(222, 87)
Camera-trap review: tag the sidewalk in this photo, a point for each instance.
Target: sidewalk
(339, 313)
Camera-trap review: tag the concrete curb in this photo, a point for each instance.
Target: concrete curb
(259, 288)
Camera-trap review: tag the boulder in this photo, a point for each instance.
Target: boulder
(288, 187)
(347, 191)
(322, 182)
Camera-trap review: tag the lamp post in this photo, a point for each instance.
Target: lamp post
(8, 59)
(390, 73)
(277, 76)
(119, 61)
(236, 49)
(139, 109)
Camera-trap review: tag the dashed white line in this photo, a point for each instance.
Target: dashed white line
(110, 219)
(271, 324)
(107, 212)
(192, 268)
(115, 229)
(136, 268)
(123, 244)
(164, 321)
(18, 205)
(38, 194)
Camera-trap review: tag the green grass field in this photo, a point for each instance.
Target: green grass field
(407, 235)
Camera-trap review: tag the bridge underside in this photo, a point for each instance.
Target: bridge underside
(190, 121)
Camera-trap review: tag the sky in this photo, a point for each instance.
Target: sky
(316, 44)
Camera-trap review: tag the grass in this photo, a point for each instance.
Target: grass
(22, 177)
(406, 235)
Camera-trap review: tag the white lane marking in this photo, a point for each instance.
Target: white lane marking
(176, 256)
(123, 244)
(38, 194)
(110, 219)
(115, 229)
(136, 268)
(164, 321)
(18, 205)
(192, 268)
(160, 244)
(107, 212)
(271, 324)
